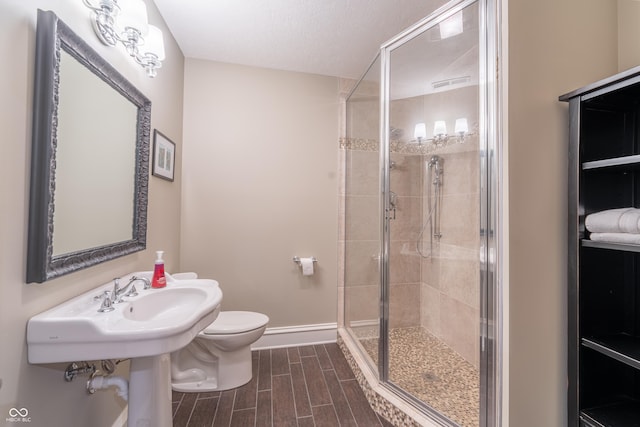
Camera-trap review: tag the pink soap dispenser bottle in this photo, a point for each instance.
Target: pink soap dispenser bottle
(159, 280)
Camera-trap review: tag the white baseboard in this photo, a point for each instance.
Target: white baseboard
(292, 336)
(365, 323)
(121, 421)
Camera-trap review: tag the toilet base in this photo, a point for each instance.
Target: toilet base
(231, 370)
(208, 385)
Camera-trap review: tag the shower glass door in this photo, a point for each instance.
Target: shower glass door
(433, 237)
(363, 198)
(419, 284)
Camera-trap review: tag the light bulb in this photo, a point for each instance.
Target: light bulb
(461, 126)
(153, 43)
(420, 131)
(439, 128)
(133, 14)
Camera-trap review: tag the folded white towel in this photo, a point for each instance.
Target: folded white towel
(622, 220)
(629, 221)
(626, 238)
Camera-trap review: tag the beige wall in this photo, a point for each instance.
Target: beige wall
(554, 47)
(40, 388)
(261, 187)
(628, 34)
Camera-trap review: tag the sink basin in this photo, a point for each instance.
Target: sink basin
(164, 306)
(155, 322)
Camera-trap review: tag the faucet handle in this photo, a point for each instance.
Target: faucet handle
(107, 304)
(102, 296)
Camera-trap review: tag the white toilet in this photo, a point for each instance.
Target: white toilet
(219, 358)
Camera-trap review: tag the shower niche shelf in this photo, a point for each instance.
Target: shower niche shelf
(603, 278)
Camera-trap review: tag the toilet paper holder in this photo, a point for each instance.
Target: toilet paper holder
(296, 259)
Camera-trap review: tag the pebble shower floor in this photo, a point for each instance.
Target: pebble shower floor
(431, 371)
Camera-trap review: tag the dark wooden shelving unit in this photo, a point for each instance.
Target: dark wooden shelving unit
(603, 277)
(621, 347)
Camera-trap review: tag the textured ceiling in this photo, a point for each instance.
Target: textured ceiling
(329, 37)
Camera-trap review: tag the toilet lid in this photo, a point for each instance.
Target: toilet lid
(233, 322)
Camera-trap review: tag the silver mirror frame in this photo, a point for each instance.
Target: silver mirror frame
(52, 35)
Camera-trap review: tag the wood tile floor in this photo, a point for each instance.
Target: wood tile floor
(297, 386)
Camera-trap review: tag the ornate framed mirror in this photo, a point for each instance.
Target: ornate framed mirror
(90, 157)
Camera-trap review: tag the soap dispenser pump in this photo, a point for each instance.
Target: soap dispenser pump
(159, 280)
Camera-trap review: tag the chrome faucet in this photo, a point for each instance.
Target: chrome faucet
(147, 282)
(129, 290)
(115, 296)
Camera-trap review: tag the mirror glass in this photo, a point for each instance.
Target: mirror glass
(89, 159)
(105, 160)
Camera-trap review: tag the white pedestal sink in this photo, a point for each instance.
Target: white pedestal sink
(150, 392)
(144, 328)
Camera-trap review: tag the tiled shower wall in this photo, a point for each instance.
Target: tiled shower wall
(450, 288)
(406, 178)
(451, 281)
(445, 284)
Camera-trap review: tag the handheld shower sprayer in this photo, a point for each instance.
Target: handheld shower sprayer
(435, 169)
(435, 162)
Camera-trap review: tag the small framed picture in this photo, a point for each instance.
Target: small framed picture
(164, 156)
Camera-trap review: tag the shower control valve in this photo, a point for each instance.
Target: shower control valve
(393, 200)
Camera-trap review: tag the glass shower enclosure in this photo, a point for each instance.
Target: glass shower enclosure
(419, 291)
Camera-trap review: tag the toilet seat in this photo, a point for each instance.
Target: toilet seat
(235, 322)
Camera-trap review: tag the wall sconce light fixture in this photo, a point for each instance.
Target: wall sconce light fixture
(125, 21)
(440, 135)
(439, 131)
